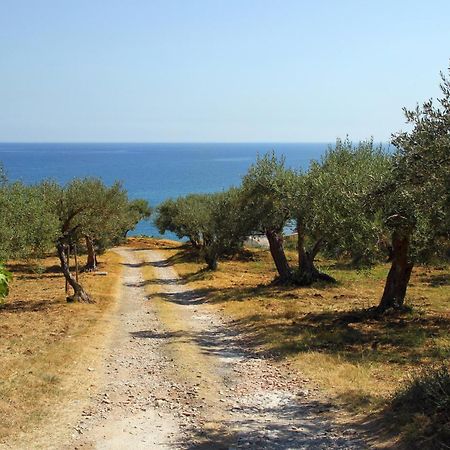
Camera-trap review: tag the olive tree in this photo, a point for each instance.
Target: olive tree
(329, 206)
(35, 218)
(183, 216)
(88, 209)
(267, 198)
(415, 200)
(105, 216)
(225, 226)
(68, 204)
(213, 223)
(114, 227)
(27, 227)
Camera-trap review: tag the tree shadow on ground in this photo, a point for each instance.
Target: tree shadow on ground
(218, 342)
(188, 254)
(30, 268)
(436, 280)
(301, 425)
(239, 294)
(293, 422)
(197, 297)
(136, 265)
(149, 334)
(20, 306)
(33, 269)
(200, 274)
(36, 277)
(355, 334)
(359, 335)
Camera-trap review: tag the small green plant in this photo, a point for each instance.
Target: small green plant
(5, 279)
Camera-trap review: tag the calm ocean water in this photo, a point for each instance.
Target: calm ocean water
(151, 171)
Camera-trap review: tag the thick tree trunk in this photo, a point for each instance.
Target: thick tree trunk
(79, 293)
(279, 257)
(91, 263)
(307, 271)
(211, 260)
(399, 273)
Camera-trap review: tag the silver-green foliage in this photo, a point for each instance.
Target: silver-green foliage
(213, 223)
(418, 192)
(87, 206)
(182, 216)
(27, 226)
(267, 190)
(225, 226)
(331, 199)
(5, 278)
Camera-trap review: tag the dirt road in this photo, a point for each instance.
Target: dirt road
(178, 377)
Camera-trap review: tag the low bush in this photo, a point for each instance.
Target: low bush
(5, 278)
(424, 404)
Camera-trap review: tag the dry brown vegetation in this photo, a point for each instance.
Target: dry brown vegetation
(47, 346)
(328, 332)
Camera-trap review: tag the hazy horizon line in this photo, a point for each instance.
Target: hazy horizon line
(187, 142)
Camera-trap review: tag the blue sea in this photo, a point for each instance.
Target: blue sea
(151, 171)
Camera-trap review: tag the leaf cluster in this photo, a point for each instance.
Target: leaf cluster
(34, 218)
(267, 190)
(332, 199)
(213, 223)
(28, 227)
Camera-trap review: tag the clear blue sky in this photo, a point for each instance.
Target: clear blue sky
(231, 70)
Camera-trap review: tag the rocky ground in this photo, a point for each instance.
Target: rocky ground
(177, 376)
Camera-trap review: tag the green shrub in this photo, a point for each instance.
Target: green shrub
(424, 407)
(5, 278)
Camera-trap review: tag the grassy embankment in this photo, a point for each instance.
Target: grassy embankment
(325, 331)
(49, 348)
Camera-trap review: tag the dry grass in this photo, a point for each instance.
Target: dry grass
(326, 331)
(47, 344)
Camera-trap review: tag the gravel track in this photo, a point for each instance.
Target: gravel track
(193, 384)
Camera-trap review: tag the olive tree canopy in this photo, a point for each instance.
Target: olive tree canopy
(329, 206)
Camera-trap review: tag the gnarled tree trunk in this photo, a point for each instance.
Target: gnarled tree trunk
(307, 271)
(399, 273)
(275, 239)
(80, 294)
(91, 263)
